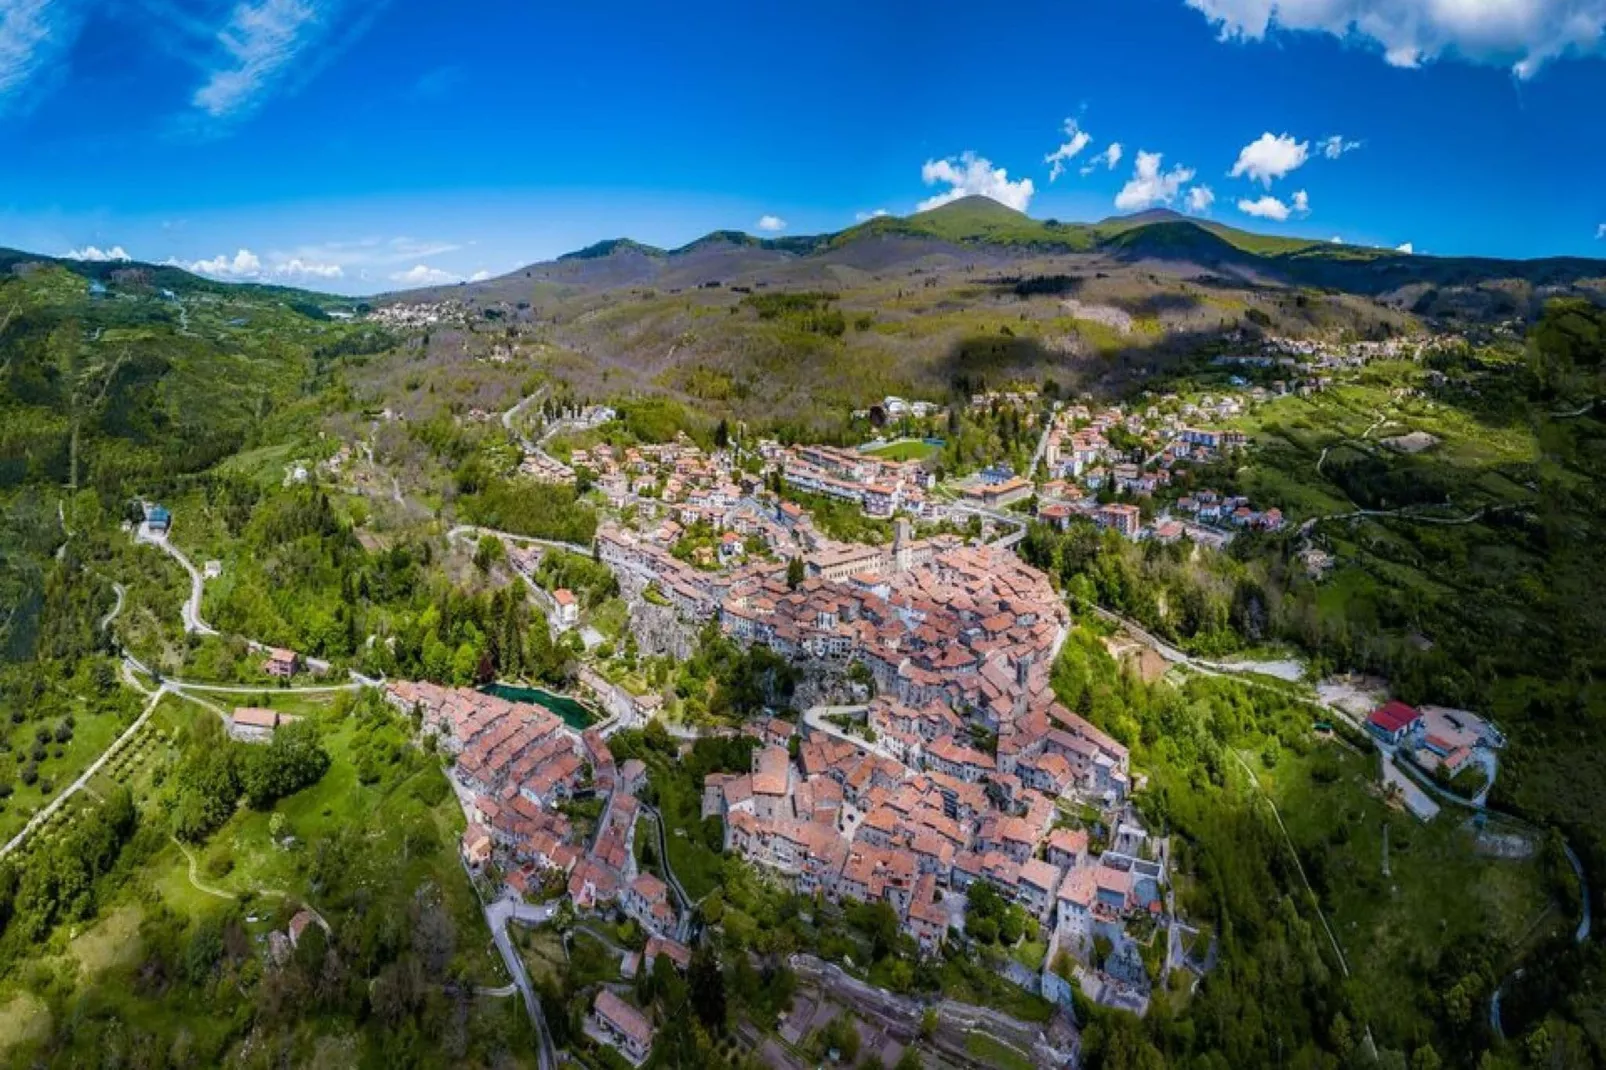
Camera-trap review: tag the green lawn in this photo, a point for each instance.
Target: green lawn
(1030, 953)
(543, 954)
(907, 450)
(995, 1053)
(680, 801)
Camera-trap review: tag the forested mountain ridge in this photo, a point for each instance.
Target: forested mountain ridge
(979, 223)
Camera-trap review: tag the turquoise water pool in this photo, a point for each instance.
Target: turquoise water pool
(574, 714)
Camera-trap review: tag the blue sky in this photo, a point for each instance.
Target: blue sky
(358, 146)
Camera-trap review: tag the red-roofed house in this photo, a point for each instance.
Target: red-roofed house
(677, 953)
(476, 845)
(1039, 881)
(568, 607)
(1393, 721)
(621, 1026)
(647, 900)
(282, 663)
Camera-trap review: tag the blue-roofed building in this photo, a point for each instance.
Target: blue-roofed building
(157, 518)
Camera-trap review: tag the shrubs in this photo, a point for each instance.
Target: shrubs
(215, 772)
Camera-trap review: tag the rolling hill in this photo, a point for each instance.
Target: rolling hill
(977, 228)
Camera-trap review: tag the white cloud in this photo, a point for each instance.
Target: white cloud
(1270, 157)
(865, 217)
(423, 275)
(246, 265)
(1199, 199)
(771, 223)
(1600, 232)
(970, 175)
(1149, 185)
(1267, 207)
(90, 252)
(1302, 202)
(1077, 139)
(479, 276)
(1336, 240)
(243, 265)
(323, 263)
(1109, 158)
(33, 34)
(1405, 247)
(1524, 34)
(1335, 146)
(259, 44)
(298, 268)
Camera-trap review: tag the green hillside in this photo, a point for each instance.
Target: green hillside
(974, 221)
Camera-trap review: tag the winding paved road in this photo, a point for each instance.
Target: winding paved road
(683, 927)
(461, 530)
(122, 594)
(497, 916)
(193, 624)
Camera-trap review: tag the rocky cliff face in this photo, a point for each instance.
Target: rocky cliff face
(658, 629)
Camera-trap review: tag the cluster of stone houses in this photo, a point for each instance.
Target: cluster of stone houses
(1022, 398)
(1205, 517)
(1218, 510)
(878, 486)
(1436, 738)
(546, 469)
(974, 627)
(694, 593)
(674, 485)
(921, 815)
(517, 762)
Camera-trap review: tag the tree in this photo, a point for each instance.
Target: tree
(707, 984)
(1425, 1058)
(398, 991)
(489, 552)
(293, 759)
(435, 939)
(842, 1037)
(794, 573)
(909, 1060)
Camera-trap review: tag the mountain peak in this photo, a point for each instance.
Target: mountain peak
(975, 206)
(611, 246)
(1152, 215)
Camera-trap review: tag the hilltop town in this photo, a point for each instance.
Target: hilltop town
(926, 755)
